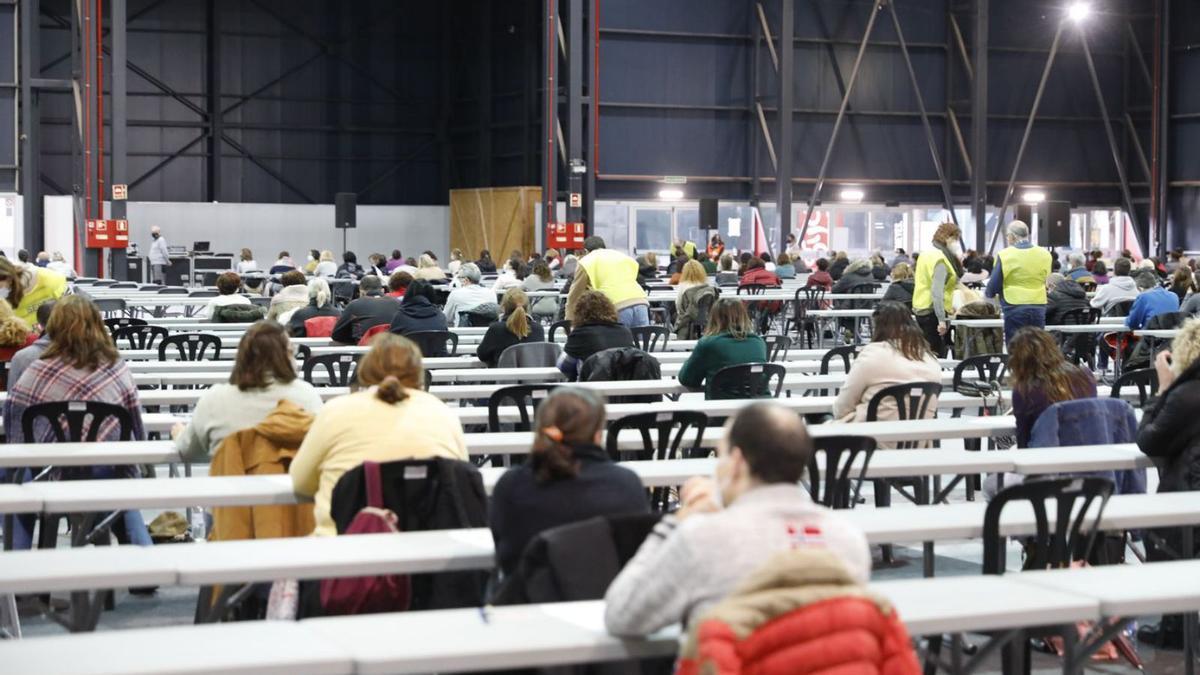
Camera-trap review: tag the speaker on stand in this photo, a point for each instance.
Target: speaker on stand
(345, 213)
(1054, 224)
(708, 214)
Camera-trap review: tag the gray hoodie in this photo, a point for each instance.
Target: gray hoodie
(1117, 289)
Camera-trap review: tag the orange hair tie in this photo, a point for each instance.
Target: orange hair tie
(553, 433)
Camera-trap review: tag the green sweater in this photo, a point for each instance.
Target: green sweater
(715, 352)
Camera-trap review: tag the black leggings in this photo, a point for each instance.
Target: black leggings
(929, 326)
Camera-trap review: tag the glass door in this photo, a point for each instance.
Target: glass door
(652, 229)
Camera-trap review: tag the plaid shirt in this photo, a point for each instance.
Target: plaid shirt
(53, 380)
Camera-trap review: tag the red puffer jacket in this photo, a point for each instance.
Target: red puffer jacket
(802, 614)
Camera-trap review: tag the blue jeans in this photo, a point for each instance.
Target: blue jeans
(637, 315)
(1017, 317)
(23, 524)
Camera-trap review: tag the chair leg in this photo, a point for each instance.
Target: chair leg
(933, 654)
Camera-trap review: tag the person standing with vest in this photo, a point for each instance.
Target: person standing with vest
(615, 275)
(1019, 279)
(938, 272)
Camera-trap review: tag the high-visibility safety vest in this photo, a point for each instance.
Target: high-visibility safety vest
(689, 250)
(1025, 271)
(923, 286)
(614, 274)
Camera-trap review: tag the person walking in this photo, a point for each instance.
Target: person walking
(1019, 279)
(159, 259)
(938, 272)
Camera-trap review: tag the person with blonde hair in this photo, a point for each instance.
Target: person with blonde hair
(427, 268)
(553, 259)
(27, 286)
(320, 303)
(692, 288)
(514, 327)
(246, 263)
(901, 288)
(938, 270)
(392, 418)
(456, 261)
(327, 267)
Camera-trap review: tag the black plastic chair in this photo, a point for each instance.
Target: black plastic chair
(190, 346)
(1119, 308)
(428, 379)
(124, 285)
(912, 401)
(805, 325)
(833, 486)
(1145, 379)
(433, 342)
(524, 396)
(662, 438)
(777, 347)
(139, 337)
(1080, 347)
(203, 294)
(172, 290)
(112, 324)
(109, 305)
(75, 414)
(846, 353)
(646, 338)
(260, 301)
(703, 309)
(747, 380)
(987, 368)
(342, 369)
(564, 326)
(302, 352)
(752, 289)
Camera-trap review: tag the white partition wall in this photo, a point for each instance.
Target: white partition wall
(11, 234)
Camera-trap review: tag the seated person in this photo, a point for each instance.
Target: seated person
(282, 264)
(897, 354)
(821, 278)
(730, 525)
(228, 285)
(427, 269)
(263, 375)
(23, 358)
(390, 419)
(320, 303)
(901, 288)
(1064, 295)
(784, 268)
(568, 477)
(371, 309)
(468, 295)
(417, 311)
(350, 269)
(542, 279)
(1120, 287)
(398, 283)
(729, 340)
(728, 274)
(292, 296)
(514, 327)
(1040, 376)
(857, 273)
(594, 328)
(1151, 301)
(756, 273)
(975, 273)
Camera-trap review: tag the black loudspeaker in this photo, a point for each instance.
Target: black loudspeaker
(345, 210)
(1054, 224)
(1023, 213)
(708, 214)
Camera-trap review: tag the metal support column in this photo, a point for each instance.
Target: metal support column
(787, 94)
(574, 84)
(10, 87)
(592, 101)
(30, 118)
(484, 67)
(212, 86)
(550, 116)
(752, 106)
(1160, 183)
(979, 123)
(119, 152)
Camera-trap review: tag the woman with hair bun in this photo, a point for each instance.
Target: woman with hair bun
(390, 419)
(568, 477)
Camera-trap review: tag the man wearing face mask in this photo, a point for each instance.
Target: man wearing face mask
(1019, 278)
(158, 256)
(730, 526)
(938, 270)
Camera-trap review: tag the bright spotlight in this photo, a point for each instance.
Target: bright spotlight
(1034, 197)
(853, 195)
(670, 194)
(1078, 11)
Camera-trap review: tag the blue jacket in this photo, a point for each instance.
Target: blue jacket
(1149, 305)
(1092, 421)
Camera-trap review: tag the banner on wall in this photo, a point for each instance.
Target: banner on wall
(816, 237)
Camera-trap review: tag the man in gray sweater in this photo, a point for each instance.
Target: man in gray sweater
(730, 526)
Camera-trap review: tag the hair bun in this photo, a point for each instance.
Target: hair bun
(391, 390)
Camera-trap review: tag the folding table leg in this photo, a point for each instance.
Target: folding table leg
(10, 621)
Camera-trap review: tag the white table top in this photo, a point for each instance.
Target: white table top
(160, 422)
(88, 454)
(115, 494)
(241, 648)
(17, 499)
(1127, 590)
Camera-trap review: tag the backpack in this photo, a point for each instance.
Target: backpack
(368, 595)
(974, 341)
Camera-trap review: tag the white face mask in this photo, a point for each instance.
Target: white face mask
(4, 291)
(955, 248)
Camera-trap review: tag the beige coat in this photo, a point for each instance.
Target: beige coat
(881, 365)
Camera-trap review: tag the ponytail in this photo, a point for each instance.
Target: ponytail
(518, 323)
(552, 459)
(568, 418)
(391, 390)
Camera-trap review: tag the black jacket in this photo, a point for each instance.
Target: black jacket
(350, 271)
(849, 280)
(486, 266)
(498, 338)
(836, 269)
(1068, 296)
(522, 507)
(594, 337)
(1170, 433)
(622, 363)
(362, 314)
(417, 314)
(237, 314)
(880, 272)
(900, 291)
(430, 494)
(296, 323)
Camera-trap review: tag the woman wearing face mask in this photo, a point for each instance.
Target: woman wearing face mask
(938, 272)
(314, 258)
(26, 286)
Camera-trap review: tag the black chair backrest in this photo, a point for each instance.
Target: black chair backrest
(433, 342)
(203, 294)
(190, 346)
(752, 289)
(112, 324)
(341, 368)
(124, 285)
(748, 380)
(1078, 506)
(139, 337)
(1081, 317)
(912, 400)
(833, 486)
(302, 352)
(524, 396)
(564, 326)
(777, 347)
(703, 309)
(1145, 379)
(106, 305)
(104, 283)
(1120, 308)
(987, 367)
(260, 301)
(646, 338)
(173, 290)
(846, 353)
(669, 429)
(1088, 286)
(428, 379)
(75, 413)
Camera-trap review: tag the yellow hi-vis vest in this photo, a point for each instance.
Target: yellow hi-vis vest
(614, 274)
(923, 286)
(1025, 271)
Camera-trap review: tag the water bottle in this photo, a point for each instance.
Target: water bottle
(199, 525)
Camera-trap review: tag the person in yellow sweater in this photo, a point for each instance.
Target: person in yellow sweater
(26, 286)
(390, 419)
(615, 275)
